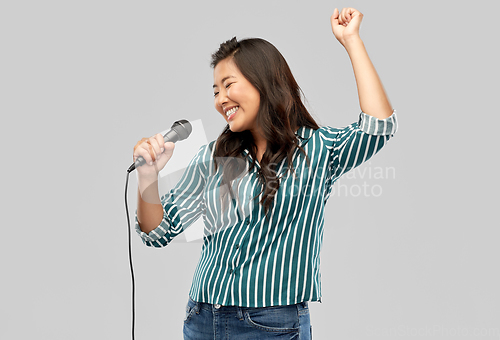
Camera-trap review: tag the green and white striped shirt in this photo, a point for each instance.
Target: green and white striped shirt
(245, 259)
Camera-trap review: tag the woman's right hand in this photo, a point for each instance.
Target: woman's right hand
(155, 152)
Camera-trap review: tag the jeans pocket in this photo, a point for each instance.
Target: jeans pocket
(282, 319)
(190, 310)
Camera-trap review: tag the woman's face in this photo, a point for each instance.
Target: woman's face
(236, 99)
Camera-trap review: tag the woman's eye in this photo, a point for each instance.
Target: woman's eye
(226, 86)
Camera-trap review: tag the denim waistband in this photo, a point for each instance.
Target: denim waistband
(301, 306)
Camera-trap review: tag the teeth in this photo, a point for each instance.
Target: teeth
(233, 110)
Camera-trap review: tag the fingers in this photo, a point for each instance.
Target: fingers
(156, 143)
(169, 148)
(149, 148)
(145, 150)
(339, 18)
(159, 140)
(335, 17)
(137, 148)
(344, 16)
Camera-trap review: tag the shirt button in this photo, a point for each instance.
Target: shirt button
(217, 306)
(230, 271)
(237, 246)
(247, 222)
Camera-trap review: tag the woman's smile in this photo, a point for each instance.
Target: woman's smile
(230, 113)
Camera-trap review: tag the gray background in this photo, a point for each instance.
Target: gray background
(81, 82)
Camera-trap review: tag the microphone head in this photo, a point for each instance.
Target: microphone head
(183, 128)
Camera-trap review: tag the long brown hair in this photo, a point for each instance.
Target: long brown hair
(281, 111)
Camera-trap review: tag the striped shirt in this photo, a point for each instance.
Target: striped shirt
(250, 261)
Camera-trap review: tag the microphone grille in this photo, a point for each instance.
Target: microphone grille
(183, 128)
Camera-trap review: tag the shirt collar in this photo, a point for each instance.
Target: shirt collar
(303, 134)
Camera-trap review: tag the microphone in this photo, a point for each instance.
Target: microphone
(180, 130)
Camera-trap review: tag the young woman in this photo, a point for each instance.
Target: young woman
(261, 189)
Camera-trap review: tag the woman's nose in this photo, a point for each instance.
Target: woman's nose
(221, 98)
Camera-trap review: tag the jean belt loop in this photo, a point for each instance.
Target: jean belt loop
(197, 307)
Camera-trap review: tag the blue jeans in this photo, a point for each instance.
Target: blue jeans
(204, 321)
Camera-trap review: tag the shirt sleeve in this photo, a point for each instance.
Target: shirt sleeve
(353, 145)
(182, 205)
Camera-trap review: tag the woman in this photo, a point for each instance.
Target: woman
(261, 188)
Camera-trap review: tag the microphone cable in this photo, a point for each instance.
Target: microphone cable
(130, 258)
(180, 130)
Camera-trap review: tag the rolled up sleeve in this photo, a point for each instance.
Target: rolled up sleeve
(378, 127)
(182, 206)
(353, 145)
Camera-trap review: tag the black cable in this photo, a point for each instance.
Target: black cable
(130, 259)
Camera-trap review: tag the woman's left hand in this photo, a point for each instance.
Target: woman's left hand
(345, 25)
